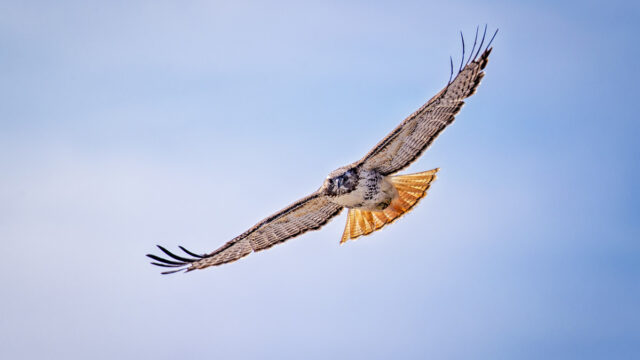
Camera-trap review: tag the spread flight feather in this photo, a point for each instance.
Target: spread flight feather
(393, 153)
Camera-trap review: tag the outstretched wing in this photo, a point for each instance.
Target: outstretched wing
(309, 213)
(414, 135)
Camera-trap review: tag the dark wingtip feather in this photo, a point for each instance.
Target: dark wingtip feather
(484, 35)
(482, 51)
(174, 256)
(172, 271)
(192, 254)
(182, 263)
(170, 262)
(462, 58)
(475, 42)
(164, 265)
(492, 37)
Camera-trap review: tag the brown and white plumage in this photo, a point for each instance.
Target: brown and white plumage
(309, 213)
(414, 135)
(374, 197)
(411, 188)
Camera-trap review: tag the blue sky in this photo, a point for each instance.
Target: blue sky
(129, 124)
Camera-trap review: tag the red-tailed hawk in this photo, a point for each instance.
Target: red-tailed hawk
(374, 196)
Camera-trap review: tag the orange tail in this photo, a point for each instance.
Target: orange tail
(411, 188)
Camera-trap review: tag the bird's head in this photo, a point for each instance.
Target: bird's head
(341, 181)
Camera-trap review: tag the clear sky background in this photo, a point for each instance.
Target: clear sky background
(127, 124)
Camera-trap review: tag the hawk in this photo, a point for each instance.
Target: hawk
(368, 188)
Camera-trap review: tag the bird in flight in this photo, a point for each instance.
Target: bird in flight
(368, 188)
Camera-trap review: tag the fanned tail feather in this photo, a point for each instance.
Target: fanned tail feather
(411, 188)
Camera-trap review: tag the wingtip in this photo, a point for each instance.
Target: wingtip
(182, 263)
(171, 272)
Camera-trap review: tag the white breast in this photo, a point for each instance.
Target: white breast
(373, 193)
